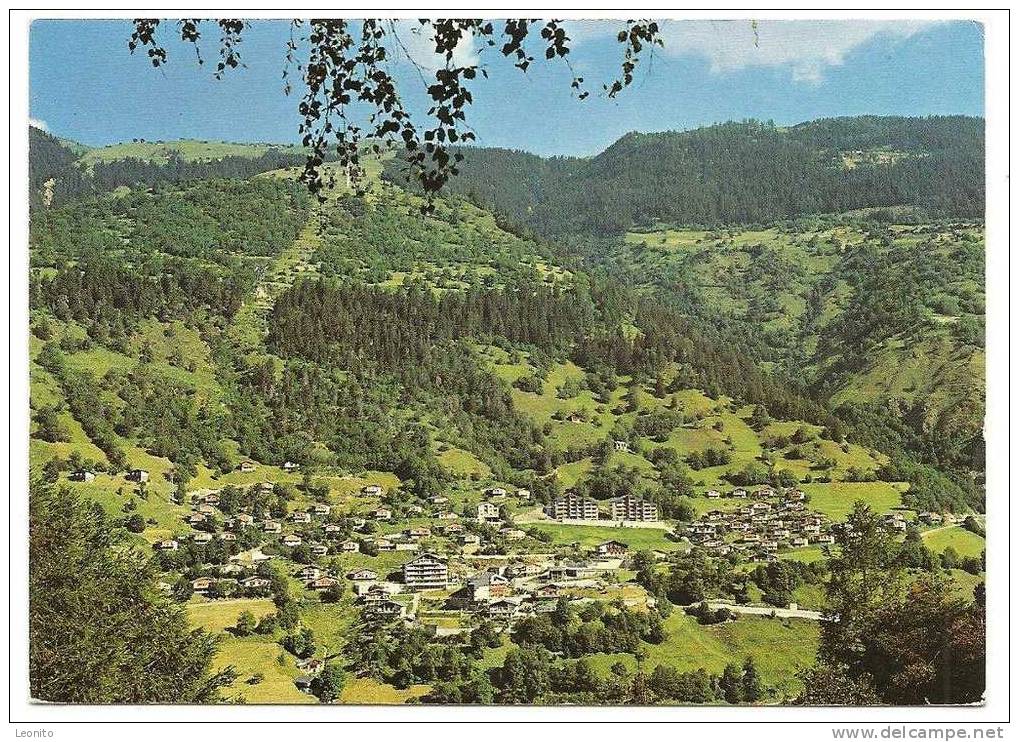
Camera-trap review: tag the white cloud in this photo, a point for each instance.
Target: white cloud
(38, 124)
(806, 48)
(420, 47)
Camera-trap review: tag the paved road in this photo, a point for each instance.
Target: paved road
(760, 610)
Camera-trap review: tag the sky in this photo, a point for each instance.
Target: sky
(85, 84)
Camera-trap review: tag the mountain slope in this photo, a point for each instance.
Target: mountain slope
(737, 173)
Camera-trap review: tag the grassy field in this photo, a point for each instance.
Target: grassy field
(780, 648)
(254, 655)
(219, 615)
(191, 150)
(590, 536)
(964, 542)
(368, 692)
(836, 499)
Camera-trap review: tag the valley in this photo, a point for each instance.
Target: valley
(377, 454)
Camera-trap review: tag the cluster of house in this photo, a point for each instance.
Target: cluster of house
(624, 508)
(502, 592)
(768, 522)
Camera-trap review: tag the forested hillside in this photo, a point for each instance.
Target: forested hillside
(737, 173)
(270, 398)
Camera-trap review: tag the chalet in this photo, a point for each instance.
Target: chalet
(323, 583)
(303, 683)
(363, 575)
(227, 536)
(81, 475)
(512, 534)
(713, 494)
(271, 526)
(319, 549)
(310, 572)
(470, 539)
(798, 541)
(244, 519)
(620, 445)
(247, 466)
(384, 544)
(415, 509)
(418, 532)
(255, 583)
(426, 571)
(487, 585)
(825, 538)
(438, 499)
(312, 665)
(299, 516)
(266, 488)
(567, 571)
(573, 507)
(487, 511)
(137, 475)
(502, 609)
(453, 528)
(769, 545)
(611, 548)
(447, 515)
(231, 569)
(196, 518)
(206, 509)
(387, 609)
(210, 498)
(291, 540)
(632, 508)
(350, 547)
(320, 508)
(290, 466)
(202, 584)
(383, 514)
(372, 490)
(524, 494)
(167, 545)
(547, 591)
(495, 492)
(332, 529)
(739, 493)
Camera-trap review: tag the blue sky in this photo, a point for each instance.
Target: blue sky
(85, 85)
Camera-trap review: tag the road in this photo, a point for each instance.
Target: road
(761, 610)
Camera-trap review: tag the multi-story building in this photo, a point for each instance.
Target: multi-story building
(573, 507)
(632, 508)
(426, 571)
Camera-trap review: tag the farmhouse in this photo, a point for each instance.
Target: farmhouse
(81, 475)
(247, 466)
(310, 572)
(363, 575)
(487, 511)
(572, 507)
(632, 508)
(611, 548)
(202, 584)
(384, 609)
(323, 583)
(426, 571)
(502, 609)
(137, 475)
